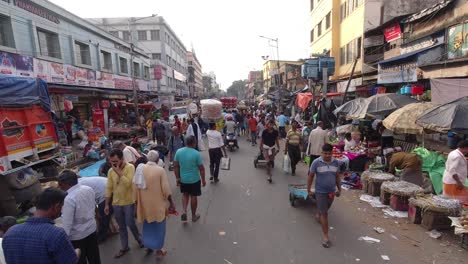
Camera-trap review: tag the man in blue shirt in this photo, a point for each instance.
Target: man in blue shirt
(282, 120)
(38, 241)
(327, 172)
(188, 168)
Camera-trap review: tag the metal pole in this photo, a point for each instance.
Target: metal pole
(349, 82)
(325, 82)
(280, 107)
(135, 93)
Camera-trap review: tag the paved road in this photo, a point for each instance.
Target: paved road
(261, 227)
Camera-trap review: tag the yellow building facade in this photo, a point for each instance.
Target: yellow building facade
(337, 29)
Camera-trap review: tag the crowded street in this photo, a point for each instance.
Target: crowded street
(260, 226)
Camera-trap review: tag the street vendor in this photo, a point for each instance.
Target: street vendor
(456, 173)
(352, 141)
(403, 160)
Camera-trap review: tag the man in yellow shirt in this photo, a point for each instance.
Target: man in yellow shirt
(120, 190)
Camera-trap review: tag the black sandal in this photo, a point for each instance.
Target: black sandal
(326, 244)
(121, 253)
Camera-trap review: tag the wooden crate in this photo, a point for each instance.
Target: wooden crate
(414, 214)
(464, 241)
(435, 220)
(385, 197)
(399, 203)
(365, 185)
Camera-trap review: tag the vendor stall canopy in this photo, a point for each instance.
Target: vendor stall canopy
(404, 119)
(376, 105)
(452, 116)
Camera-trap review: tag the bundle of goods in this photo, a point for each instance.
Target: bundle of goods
(229, 102)
(211, 109)
(372, 181)
(397, 194)
(433, 211)
(352, 181)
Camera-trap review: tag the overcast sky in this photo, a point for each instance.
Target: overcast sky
(224, 34)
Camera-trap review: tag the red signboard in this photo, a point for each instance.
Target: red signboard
(392, 32)
(157, 72)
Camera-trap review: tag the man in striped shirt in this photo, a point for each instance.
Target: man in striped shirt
(293, 146)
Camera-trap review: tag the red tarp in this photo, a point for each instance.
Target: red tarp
(303, 99)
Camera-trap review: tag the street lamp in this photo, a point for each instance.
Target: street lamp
(278, 69)
(132, 45)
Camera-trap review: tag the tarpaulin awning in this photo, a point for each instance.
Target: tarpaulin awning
(303, 99)
(23, 91)
(409, 54)
(447, 90)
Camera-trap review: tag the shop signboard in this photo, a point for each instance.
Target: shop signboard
(24, 65)
(143, 85)
(57, 72)
(392, 32)
(41, 69)
(104, 79)
(7, 63)
(341, 86)
(70, 74)
(403, 72)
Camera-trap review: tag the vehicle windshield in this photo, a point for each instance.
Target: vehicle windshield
(178, 111)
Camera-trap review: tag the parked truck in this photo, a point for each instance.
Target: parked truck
(28, 141)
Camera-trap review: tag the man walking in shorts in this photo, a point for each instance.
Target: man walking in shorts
(327, 171)
(189, 170)
(267, 146)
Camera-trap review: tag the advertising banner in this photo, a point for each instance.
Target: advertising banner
(7, 63)
(98, 119)
(158, 72)
(143, 85)
(57, 73)
(24, 65)
(41, 69)
(91, 77)
(392, 32)
(82, 77)
(105, 79)
(124, 83)
(457, 37)
(70, 74)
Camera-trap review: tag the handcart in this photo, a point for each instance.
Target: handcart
(299, 191)
(260, 161)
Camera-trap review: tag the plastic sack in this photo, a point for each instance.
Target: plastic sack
(211, 109)
(22, 179)
(225, 163)
(434, 164)
(286, 164)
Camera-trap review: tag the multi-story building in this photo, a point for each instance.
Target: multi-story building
(291, 76)
(80, 62)
(195, 77)
(154, 35)
(338, 26)
(272, 74)
(255, 85)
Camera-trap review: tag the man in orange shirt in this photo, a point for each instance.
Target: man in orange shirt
(253, 130)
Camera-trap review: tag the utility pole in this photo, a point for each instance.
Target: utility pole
(278, 76)
(349, 82)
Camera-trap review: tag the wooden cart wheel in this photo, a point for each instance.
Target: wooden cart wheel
(292, 199)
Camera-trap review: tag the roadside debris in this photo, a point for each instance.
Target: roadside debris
(385, 257)
(379, 230)
(368, 239)
(394, 237)
(222, 233)
(393, 213)
(227, 261)
(373, 201)
(434, 234)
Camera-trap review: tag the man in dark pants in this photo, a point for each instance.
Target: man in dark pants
(78, 214)
(99, 184)
(293, 146)
(327, 172)
(215, 145)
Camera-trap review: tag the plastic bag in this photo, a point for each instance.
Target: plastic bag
(286, 164)
(225, 163)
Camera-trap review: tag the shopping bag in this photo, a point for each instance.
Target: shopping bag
(225, 163)
(307, 160)
(286, 164)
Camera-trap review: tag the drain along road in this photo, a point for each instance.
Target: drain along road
(244, 219)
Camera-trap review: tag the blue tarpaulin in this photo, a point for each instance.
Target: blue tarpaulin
(92, 170)
(23, 91)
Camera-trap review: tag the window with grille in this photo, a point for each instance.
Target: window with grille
(106, 60)
(6, 32)
(156, 56)
(328, 20)
(123, 65)
(49, 44)
(82, 53)
(319, 29)
(126, 35)
(142, 35)
(155, 35)
(136, 69)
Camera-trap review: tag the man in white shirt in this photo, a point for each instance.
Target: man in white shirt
(78, 217)
(215, 145)
(130, 154)
(456, 173)
(317, 138)
(98, 184)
